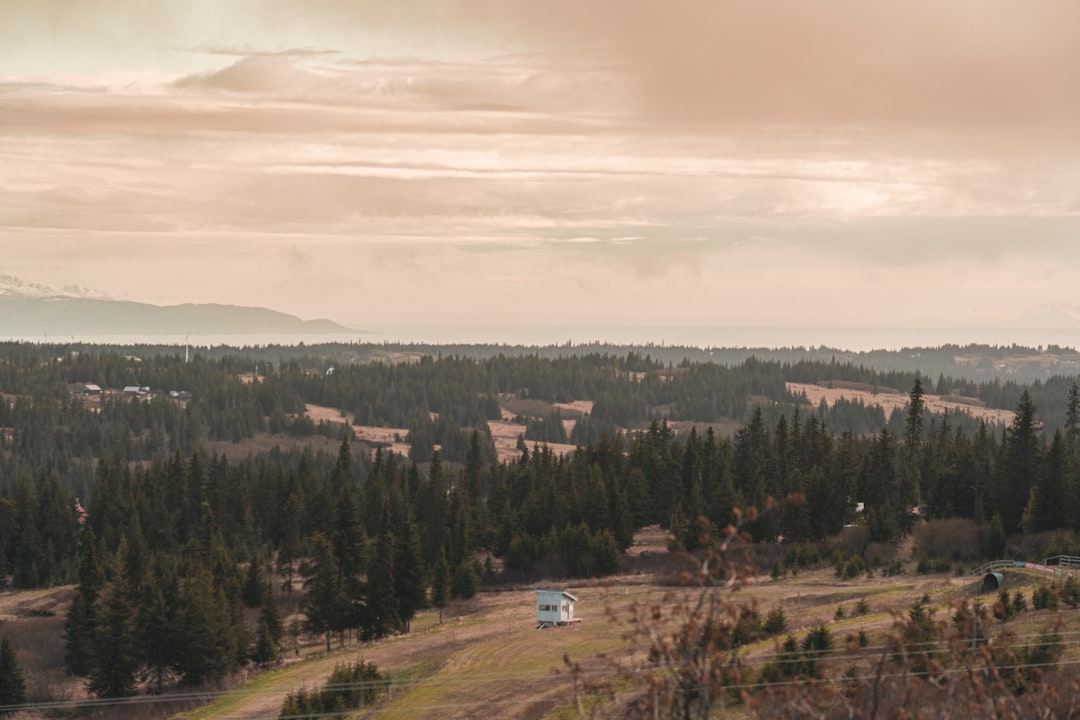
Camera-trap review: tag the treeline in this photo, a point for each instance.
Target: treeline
(977, 362)
(172, 546)
(163, 549)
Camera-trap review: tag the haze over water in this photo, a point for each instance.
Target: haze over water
(852, 339)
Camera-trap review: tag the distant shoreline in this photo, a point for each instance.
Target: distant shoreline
(855, 340)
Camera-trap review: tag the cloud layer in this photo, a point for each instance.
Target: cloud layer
(590, 163)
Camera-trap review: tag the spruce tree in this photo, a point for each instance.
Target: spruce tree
(265, 649)
(409, 582)
(911, 478)
(288, 547)
(12, 683)
(433, 509)
(324, 602)
(465, 581)
(382, 608)
(913, 422)
(461, 536)
(206, 634)
(440, 584)
(350, 545)
(253, 584)
(116, 658)
(1047, 507)
(158, 621)
(270, 615)
(81, 624)
(1021, 456)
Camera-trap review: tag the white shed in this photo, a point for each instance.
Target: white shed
(554, 607)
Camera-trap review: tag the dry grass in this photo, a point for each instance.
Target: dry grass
(889, 401)
(506, 434)
(487, 660)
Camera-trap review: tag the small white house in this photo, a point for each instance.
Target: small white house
(554, 607)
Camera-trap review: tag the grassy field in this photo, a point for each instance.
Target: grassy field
(492, 663)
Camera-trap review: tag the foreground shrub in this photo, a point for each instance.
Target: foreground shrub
(684, 663)
(1044, 598)
(775, 622)
(955, 539)
(348, 688)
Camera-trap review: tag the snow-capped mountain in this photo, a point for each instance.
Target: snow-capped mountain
(35, 310)
(12, 286)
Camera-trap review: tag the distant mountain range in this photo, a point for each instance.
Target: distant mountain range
(35, 310)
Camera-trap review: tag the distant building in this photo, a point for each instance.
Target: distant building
(554, 608)
(85, 389)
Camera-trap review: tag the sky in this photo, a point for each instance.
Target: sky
(896, 170)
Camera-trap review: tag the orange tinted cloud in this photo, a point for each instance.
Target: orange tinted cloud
(590, 153)
(840, 62)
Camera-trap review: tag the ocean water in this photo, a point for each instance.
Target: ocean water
(854, 339)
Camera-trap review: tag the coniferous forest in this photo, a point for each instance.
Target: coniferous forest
(171, 541)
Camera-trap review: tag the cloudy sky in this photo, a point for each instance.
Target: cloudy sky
(771, 165)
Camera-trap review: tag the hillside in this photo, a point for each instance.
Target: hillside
(488, 660)
(60, 316)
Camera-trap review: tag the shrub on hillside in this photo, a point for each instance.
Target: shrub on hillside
(1036, 546)
(956, 539)
(348, 688)
(1044, 598)
(775, 622)
(686, 666)
(855, 539)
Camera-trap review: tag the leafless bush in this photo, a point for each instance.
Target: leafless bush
(687, 661)
(936, 665)
(956, 538)
(953, 662)
(878, 553)
(38, 640)
(1036, 546)
(144, 708)
(855, 538)
(45, 686)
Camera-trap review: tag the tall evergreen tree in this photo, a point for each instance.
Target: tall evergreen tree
(290, 518)
(751, 473)
(1047, 506)
(1072, 449)
(1019, 466)
(158, 621)
(382, 612)
(440, 584)
(116, 659)
(350, 543)
(324, 602)
(433, 509)
(207, 635)
(270, 616)
(461, 536)
(253, 584)
(12, 682)
(81, 624)
(880, 489)
(1072, 416)
(913, 422)
(409, 582)
(912, 481)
